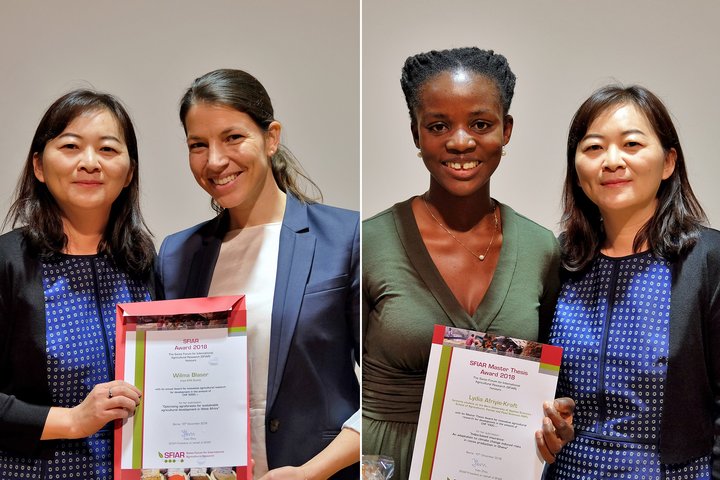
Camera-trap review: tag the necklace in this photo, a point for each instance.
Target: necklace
(492, 239)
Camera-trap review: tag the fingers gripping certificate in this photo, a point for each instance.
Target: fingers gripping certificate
(189, 358)
(481, 405)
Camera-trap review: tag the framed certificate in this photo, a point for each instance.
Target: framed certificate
(189, 359)
(481, 406)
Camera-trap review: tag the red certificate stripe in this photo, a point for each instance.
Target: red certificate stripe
(551, 355)
(438, 334)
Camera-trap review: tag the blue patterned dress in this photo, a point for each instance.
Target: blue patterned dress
(613, 323)
(81, 293)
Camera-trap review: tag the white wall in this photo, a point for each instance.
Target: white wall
(560, 50)
(148, 52)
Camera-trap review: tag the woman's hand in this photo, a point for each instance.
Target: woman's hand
(343, 451)
(105, 402)
(285, 473)
(557, 428)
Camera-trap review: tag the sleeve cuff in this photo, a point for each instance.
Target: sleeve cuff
(353, 423)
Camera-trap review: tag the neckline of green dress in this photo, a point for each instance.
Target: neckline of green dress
(420, 258)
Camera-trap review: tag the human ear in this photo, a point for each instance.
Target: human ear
(272, 137)
(416, 137)
(129, 178)
(669, 167)
(37, 168)
(508, 122)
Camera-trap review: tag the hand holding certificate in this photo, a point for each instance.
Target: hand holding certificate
(482, 405)
(557, 429)
(189, 357)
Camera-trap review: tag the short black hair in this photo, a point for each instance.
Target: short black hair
(419, 68)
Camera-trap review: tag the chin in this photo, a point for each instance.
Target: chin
(229, 204)
(463, 190)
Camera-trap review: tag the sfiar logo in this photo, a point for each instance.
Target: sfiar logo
(172, 457)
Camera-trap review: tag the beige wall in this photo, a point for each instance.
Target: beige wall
(148, 52)
(307, 53)
(560, 50)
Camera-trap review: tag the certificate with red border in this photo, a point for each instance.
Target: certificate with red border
(481, 406)
(189, 358)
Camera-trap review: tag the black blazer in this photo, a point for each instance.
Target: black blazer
(691, 410)
(24, 394)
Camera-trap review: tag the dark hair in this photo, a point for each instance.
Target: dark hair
(419, 68)
(676, 223)
(243, 92)
(126, 239)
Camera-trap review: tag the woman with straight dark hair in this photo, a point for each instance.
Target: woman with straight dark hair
(82, 248)
(296, 261)
(639, 312)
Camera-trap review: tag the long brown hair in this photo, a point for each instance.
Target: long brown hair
(676, 223)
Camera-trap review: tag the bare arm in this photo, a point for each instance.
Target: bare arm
(342, 452)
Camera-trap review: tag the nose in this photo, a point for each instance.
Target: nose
(461, 142)
(613, 159)
(217, 160)
(89, 160)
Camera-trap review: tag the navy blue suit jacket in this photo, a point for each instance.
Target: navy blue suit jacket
(314, 345)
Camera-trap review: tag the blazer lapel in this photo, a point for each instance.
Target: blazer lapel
(203, 260)
(295, 257)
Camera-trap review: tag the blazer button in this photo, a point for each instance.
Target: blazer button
(274, 425)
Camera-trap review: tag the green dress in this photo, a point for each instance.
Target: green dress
(404, 295)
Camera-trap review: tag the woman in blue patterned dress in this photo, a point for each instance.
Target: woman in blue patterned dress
(82, 249)
(639, 311)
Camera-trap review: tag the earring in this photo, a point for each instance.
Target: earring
(504, 152)
(419, 154)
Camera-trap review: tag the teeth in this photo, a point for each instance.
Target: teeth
(225, 180)
(462, 166)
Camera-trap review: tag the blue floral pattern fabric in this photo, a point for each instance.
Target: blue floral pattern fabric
(81, 294)
(613, 323)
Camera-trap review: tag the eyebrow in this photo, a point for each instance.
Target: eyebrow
(625, 132)
(224, 132)
(474, 113)
(104, 137)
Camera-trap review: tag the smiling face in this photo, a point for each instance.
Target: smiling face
(86, 167)
(460, 129)
(620, 163)
(229, 154)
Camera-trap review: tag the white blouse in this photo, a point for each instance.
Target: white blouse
(247, 265)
